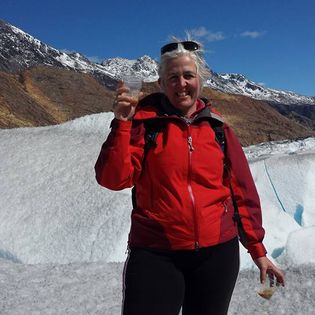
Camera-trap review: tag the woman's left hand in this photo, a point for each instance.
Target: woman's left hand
(267, 267)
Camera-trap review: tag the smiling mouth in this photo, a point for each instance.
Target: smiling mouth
(182, 94)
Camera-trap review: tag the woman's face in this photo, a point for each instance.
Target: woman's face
(181, 84)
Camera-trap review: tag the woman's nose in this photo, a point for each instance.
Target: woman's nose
(182, 81)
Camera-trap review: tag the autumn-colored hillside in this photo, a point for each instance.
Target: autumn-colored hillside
(46, 95)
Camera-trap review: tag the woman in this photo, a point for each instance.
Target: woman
(183, 242)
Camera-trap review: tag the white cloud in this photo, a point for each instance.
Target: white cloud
(207, 35)
(199, 32)
(252, 34)
(212, 37)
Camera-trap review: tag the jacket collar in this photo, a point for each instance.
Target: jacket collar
(157, 105)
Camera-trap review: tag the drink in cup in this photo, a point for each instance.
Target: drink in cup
(134, 85)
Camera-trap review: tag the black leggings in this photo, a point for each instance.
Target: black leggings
(161, 282)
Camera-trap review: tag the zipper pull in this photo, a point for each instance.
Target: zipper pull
(225, 207)
(191, 148)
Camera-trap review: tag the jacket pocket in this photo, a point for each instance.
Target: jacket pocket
(228, 226)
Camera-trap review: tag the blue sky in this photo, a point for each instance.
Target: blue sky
(271, 42)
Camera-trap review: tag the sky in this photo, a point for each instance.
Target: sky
(271, 42)
(63, 237)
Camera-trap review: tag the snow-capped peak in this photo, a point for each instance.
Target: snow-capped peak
(144, 67)
(20, 50)
(238, 84)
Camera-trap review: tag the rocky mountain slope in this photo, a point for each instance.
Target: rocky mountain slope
(45, 95)
(239, 84)
(20, 50)
(40, 85)
(255, 121)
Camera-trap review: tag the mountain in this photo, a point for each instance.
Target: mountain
(255, 121)
(297, 107)
(239, 84)
(19, 51)
(45, 95)
(40, 85)
(144, 67)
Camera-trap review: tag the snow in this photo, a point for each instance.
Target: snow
(63, 237)
(143, 67)
(30, 38)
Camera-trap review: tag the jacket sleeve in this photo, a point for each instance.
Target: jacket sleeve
(119, 162)
(246, 195)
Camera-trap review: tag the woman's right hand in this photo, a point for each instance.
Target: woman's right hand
(124, 106)
(266, 267)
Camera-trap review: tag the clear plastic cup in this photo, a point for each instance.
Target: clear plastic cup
(268, 288)
(134, 84)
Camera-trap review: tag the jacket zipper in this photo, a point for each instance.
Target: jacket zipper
(190, 151)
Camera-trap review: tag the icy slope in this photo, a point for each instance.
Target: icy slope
(53, 211)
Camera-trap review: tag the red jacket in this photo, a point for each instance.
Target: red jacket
(183, 201)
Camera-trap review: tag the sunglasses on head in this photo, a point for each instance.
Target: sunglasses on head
(188, 45)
